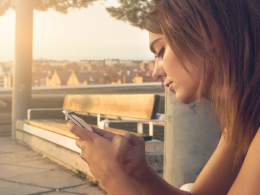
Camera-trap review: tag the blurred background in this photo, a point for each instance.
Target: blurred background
(52, 48)
(80, 47)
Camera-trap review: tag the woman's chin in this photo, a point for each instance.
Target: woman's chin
(184, 99)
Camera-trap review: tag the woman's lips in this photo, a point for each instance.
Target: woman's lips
(168, 84)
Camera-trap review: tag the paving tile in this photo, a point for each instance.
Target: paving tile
(34, 163)
(14, 171)
(52, 179)
(10, 188)
(11, 157)
(9, 145)
(23, 171)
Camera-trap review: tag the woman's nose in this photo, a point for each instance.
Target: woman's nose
(158, 71)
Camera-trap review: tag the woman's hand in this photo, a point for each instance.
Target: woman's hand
(107, 152)
(104, 157)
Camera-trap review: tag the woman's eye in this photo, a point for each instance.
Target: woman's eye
(160, 53)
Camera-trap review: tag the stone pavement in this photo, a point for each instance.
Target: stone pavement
(25, 172)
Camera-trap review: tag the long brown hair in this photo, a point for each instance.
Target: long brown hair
(191, 27)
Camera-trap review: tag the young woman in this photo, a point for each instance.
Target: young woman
(209, 51)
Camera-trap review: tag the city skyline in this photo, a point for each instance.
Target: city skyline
(59, 37)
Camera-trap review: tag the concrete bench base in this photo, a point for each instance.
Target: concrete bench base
(63, 156)
(62, 149)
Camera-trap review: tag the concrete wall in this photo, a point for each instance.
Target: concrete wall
(187, 148)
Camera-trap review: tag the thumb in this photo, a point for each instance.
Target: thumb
(134, 140)
(121, 144)
(127, 160)
(120, 141)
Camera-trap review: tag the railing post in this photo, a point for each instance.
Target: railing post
(140, 128)
(151, 128)
(186, 148)
(22, 61)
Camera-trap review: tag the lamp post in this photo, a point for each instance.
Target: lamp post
(21, 97)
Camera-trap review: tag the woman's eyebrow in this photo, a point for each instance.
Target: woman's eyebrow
(152, 45)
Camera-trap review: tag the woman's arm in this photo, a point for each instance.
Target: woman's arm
(219, 173)
(248, 179)
(216, 178)
(153, 184)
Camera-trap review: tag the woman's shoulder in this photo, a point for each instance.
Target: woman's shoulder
(247, 181)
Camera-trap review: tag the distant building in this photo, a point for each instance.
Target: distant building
(147, 66)
(151, 65)
(39, 79)
(83, 62)
(58, 63)
(143, 78)
(95, 78)
(73, 66)
(97, 62)
(111, 61)
(59, 78)
(78, 78)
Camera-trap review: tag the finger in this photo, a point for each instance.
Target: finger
(121, 142)
(134, 140)
(106, 134)
(127, 160)
(79, 143)
(81, 132)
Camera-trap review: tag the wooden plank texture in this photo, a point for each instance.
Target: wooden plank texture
(59, 126)
(142, 106)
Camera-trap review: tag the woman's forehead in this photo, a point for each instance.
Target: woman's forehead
(153, 36)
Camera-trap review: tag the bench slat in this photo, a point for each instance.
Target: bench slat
(59, 126)
(142, 106)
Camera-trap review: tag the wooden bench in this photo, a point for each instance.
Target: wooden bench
(136, 108)
(51, 137)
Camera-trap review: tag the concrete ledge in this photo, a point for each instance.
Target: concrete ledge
(64, 151)
(154, 154)
(56, 153)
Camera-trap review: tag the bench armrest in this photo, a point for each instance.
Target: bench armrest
(40, 109)
(105, 123)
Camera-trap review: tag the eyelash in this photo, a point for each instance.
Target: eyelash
(161, 53)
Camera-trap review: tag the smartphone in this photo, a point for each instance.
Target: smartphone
(77, 120)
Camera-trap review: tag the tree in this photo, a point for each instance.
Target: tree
(61, 6)
(5, 5)
(132, 11)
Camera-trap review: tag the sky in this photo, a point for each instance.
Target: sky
(86, 33)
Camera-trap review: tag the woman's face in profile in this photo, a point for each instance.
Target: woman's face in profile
(170, 69)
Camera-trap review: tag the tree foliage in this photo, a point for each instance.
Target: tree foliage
(5, 5)
(61, 6)
(132, 11)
